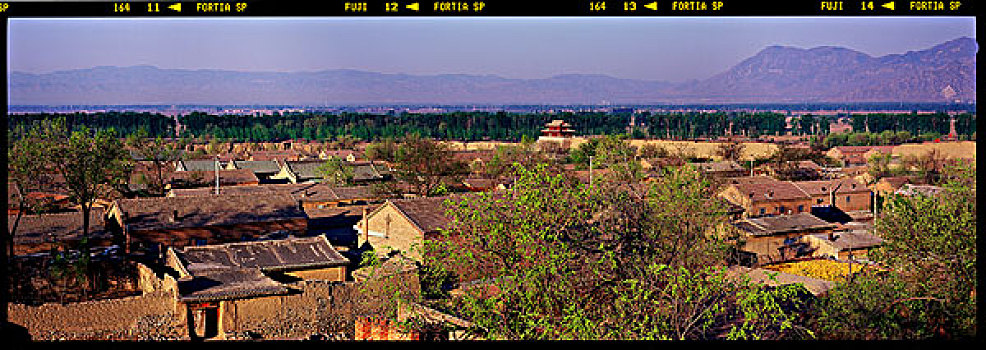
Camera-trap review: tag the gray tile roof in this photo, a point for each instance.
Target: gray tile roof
(782, 224)
(199, 165)
(268, 256)
(305, 170)
(428, 213)
(226, 284)
(263, 167)
(236, 270)
(851, 240)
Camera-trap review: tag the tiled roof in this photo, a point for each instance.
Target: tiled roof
(896, 181)
(268, 256)
(354, 192)
(306, 192)
(157, 213)
(823, 187)
(782, 224)
(426, 212)
(759, 179)
(235, 270)
(34, 229)
(305, 170)
(257, 166)
(851, 240)
(228, 283)
(771, 191)
(208, 178)
(927, 190)
(366, 173)
(199, 165)
(807, 164)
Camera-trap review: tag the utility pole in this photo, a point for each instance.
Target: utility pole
(590, 172)
(217, 174)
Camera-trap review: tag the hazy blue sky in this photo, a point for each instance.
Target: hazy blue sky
(672, 49)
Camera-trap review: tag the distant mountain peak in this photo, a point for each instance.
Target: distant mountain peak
(776, 74)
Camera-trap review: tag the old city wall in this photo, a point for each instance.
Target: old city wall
(153, 315)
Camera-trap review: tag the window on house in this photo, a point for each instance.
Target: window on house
(801, 208)
(781, 209)
(847, 199)
(763, 211)
(820, 201)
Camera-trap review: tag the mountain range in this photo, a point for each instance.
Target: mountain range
(777, 74)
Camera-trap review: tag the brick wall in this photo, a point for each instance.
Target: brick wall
(400, 233)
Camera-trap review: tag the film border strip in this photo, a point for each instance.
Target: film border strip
(488, 8)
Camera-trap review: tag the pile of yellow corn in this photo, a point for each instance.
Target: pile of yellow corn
(818, 268)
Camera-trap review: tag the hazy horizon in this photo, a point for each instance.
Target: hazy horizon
(681, 49)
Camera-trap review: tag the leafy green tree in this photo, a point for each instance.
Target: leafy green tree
(555, 259)
(878, 165)
(336, 172)
(27, 171)
(385, 150)
(616, 154)
(91, 162)
(581, 155)
(929, 291)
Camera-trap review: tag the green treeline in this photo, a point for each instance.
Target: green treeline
(916, 124)
(477, 126)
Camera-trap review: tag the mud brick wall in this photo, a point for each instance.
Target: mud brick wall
(321, 307)
(151, 316)
(148, 281)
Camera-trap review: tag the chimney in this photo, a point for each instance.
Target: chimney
(174, 215)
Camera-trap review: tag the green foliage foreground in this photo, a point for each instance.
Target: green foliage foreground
(552, 258)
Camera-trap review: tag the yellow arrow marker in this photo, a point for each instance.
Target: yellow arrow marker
(889, 5)
(413, 7)
(652, 6)
(176, 7)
